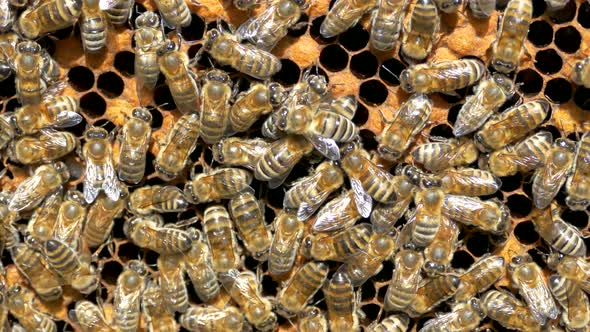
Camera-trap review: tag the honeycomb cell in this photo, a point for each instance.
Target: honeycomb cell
(568, 39)
(368, 138)
(540, 33)
(364, 65)
(125, 63)
(539, 7)
(12, 105)
(441, 130)
(301, 30)
(333, 58)
(462, 260)
(564, 15)
(361, 115)
(195, 30)
(192, 51)
(367, 291)
(314, 31)
(558, 90)
(525, 232)
(479, 244)
(156, 117)
(582, 98)
(539, 256)
(111, 271)
(373, 93)
(65, 33)
(289, 73)
(584, 15)
(512, 101)
(548, 61)
(371, 311)
(163, 98)
(93, 105)
(530, 82)
(80, 78)
(110, 84)
(269, 286)
(47, 44)
(7, 87)
(511, 183)
(453, 113)
(275, 197)
(128, 251)
(578, 219)
(390, 70)
(355, 38)
(78, 129)
(520, 206)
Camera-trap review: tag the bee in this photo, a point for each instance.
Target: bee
(548, 179)
(299, 290)
(149, 232)
(58, 112)
(215, 96)
(576, 308)
(560, 235)
(393, 323)
(93, 26)
(480, 276)
(148, 39)
(245, 5)
(345, 105)
(387, 24)
(511, 313)
(101, 219)
(198, 266)
(408, 121)
(341, 212)
(118, 11)
(489, 216)
(509, 44)
(33, 266)
(443, 153)
(279, 159)
(404, 283)
(40, 226)
(180, 142)
(182, 82)
(154, 310)
(340, 246)
(8, 42)
(245, 291)
(342, 304)
(45, 180)
(175, 13)
(270, 26)
(444, 76)
(448, 6)
(578, 183)
(28, 64)
(150, 199)
(212, 319)
(343, 15)
(465, 317)
(134, 140)
(127, 296)
(469, 182)
(581, 73)
(100, 172)
(222, 183)
(434, 291)
(312, 91)
(312, 320)
(527, 277)
(20, 301)
(421, 32)
(271, 130)
(366, 263)
(425, 221)
(70, 219)
(260, 99)
(512, 125)
(384, 216)
(309, 193)
(44, 147)
(248, 215)
(7, 15)
(439, 253)
(234, 151)
(172, 283)
(285, 243)
(75, 271)
(482, 8)
(491, 93)
(226, 49)
(221, 238)
(524, 156)
(48, 16)
(89, 317)
(574, 268)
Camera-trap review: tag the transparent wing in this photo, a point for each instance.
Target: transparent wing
(91, 179)
(363, 201)
(472, 114)
(107, 4)
(325, 146)
(539, 299)
(442, 322)
(110, 184)
(67, 119)
(27, 194)
(335, 215)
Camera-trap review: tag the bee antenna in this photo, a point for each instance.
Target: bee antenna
(392, 74)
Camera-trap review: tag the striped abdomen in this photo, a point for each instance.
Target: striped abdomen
(470, 182)
(249, 219)
(435, 291)
(334, 126)
(285, 244)
(221, 238)
(6, 132)
(351, 241)
(255, 62)
(62, 258)
(98, 227)
(378, 184)
(132, 158)
(214, 114)
(387, 24)
(174, 12)
(146, 68)
(480, 277)
(54, 15)
(28, 79)
(93, 32)
(120, 12)
(482, 8)
(565, 238)
(184, 91)
(302, 286)
(171, 241)
(172, 284)
(33, 266)
(248, 108)
(508, 48)
(343, 15)
(340, 299)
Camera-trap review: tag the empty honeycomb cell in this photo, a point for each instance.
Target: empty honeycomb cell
(548, 61)
(568, 39)
(390, 70)
(511, 183)
(364, 65)
(367, 291)
(355, 38)
(93, 105)
(479, 244)
(289, 73)
(75, 167)
(299, 29)
(156, 117)
(525, 232)
(314, 31)
(529, 81)
(558, 90)
(47, 44)
(553, 130)
(78, 129)
(274, 197)
(269, 286)
(520, 206)
(441, 130)
(111, 271)
(540, 33)
(371, 311)
(514, 100)
(333, 58)
(81, 78)
(373, 92)
(462, 260)
(12, 105)
(195, 30)
(582, 98)
(128, 251)
(125, 63)
(584, 15)
(368, 138)
(575, 218)
(575, 136)
(150, 257)
(192, 51)
(7, 87)
(269, 215)
(539, 7)
(454, 97)
(381, 294)
(564, 15)
(361, 115)
(453, 113)
(65, 33)
(163, 98)
(110, 84)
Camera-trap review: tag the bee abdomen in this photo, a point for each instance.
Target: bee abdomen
(94, 36)
(147, 68)
(61, 257)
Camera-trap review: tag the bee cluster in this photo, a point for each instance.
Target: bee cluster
(221, 179)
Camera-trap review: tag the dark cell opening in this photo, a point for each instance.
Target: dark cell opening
(334, 58)
(453, 113)
(156, 117)
(455, 97)
(368, 291)
(512, 101)
(111, 271)
(539, 257)
(582, 98)
(163, 98)
(390, 70)
(525, 232)
(65, 33)
(125, 63)
(511, 183)
(364, 65)
(558, 90)
(275, 197)
(442, 130)
(195, 30)
(368, 138)
(48, 44)
(93, 105)
(12, 105)
(539, 7)
(462, 260)
(548, 61)
(269, 286)
(361, 115)
(565, 14)
(106, 124)
(371, 310)
(269, 214)
(192, 51)
(80, 78)
(314, 31)
(78, 129)
(332, 2)
(128, 251)
(149, 163)
(584, 15)
(381, 293)
(529, 82)
(568, 39)
(289, 73)
(250, 263)
(355, 38)
(540, 33)
(110, 84)
(7, 87)
(195, 157)
(373, 93)
(150, 257)
(479, 244)
(302, 29)
(578, 219)
(300, 170)
(520, 206)
(498, 194)
(208, 156)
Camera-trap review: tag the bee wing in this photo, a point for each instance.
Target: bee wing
(472, 115)
(111, 182)
(540, 301)
(441, 323)
(27, 194)
(107, 4)
(67, 119)
(363, 201)
(332, 214)
(325, 146)
(95, 173)
(307, 209)
(551, 176)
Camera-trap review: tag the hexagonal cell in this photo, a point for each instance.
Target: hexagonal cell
(195, 30)
(578, 219)
(125, 63)
(479, 244)
(355, 38)
(520, 206)
(110, 84)
(565, 14)
(582, 98)
(539, 7)
(441, 130)
(568, 39)
(530, 82)
(390, 70)
(462, 260)
(511, 183)
(525, 232)
(540, 33)
(558, 90)
(373, 92)
(163, 98)
(364, 65)
(314, 31)
(548, 61)
(584, 15)
(333, 58)
(93, 105)
(361, 115)
(80, 78)
(301, 30)
(289, 73)
(368, 138)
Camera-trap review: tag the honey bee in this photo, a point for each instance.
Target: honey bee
(345, 105)
(523, 156)
(149, 232)
(44, 147)
(341, 213)
(7, 15)
(9, 236)
(134, 140)
(215, 96)
(127, 296)
(222, 183)
(560, 235)
(425, 221)
(278, 160)
(444, 76)
(511, 313)
(89, 317)
(342, 304)
(226, 49)
(387, 24)
(393, 323)
(154, 310)
(527, 277)
(198, 266)
(312, 91)
(469, 182)
(3, 307)
(444, 153)
(299, 290)
(421, 32)
(148, 39)
(221, 238)
(548, 179)
(270, 129)
(175, 13)
(491, 93)
(384, 216)
(408, 121)
(366, 263)
(340, 246)
(8, 42)
(245, 291)
(42, 222)
(448, 6)
(172, 283)
(576, 308)
(48, 16)
(150, 199)
(118, 11)
(439, 253)
(20, 301)
(100, 172)
(212, 319)
(312, 320)
(180, 142)
(248, 215)
(578, 184)
(93, 26)
(77, 272)
(509, 44)
(260, 99)
(465, 317)
(489, 216)
(45, 180)
(480, 276)
(581, 73)
(574, 268)
(33, 266)
(343, 15)
(482, 8)
(70, 219)
(101, 219)
(28, 66)
(58, 112)
(285, 243)
(511, 125)
(182, 82)
(233, 151)
(434, 291)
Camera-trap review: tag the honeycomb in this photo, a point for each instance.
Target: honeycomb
(104, 84)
